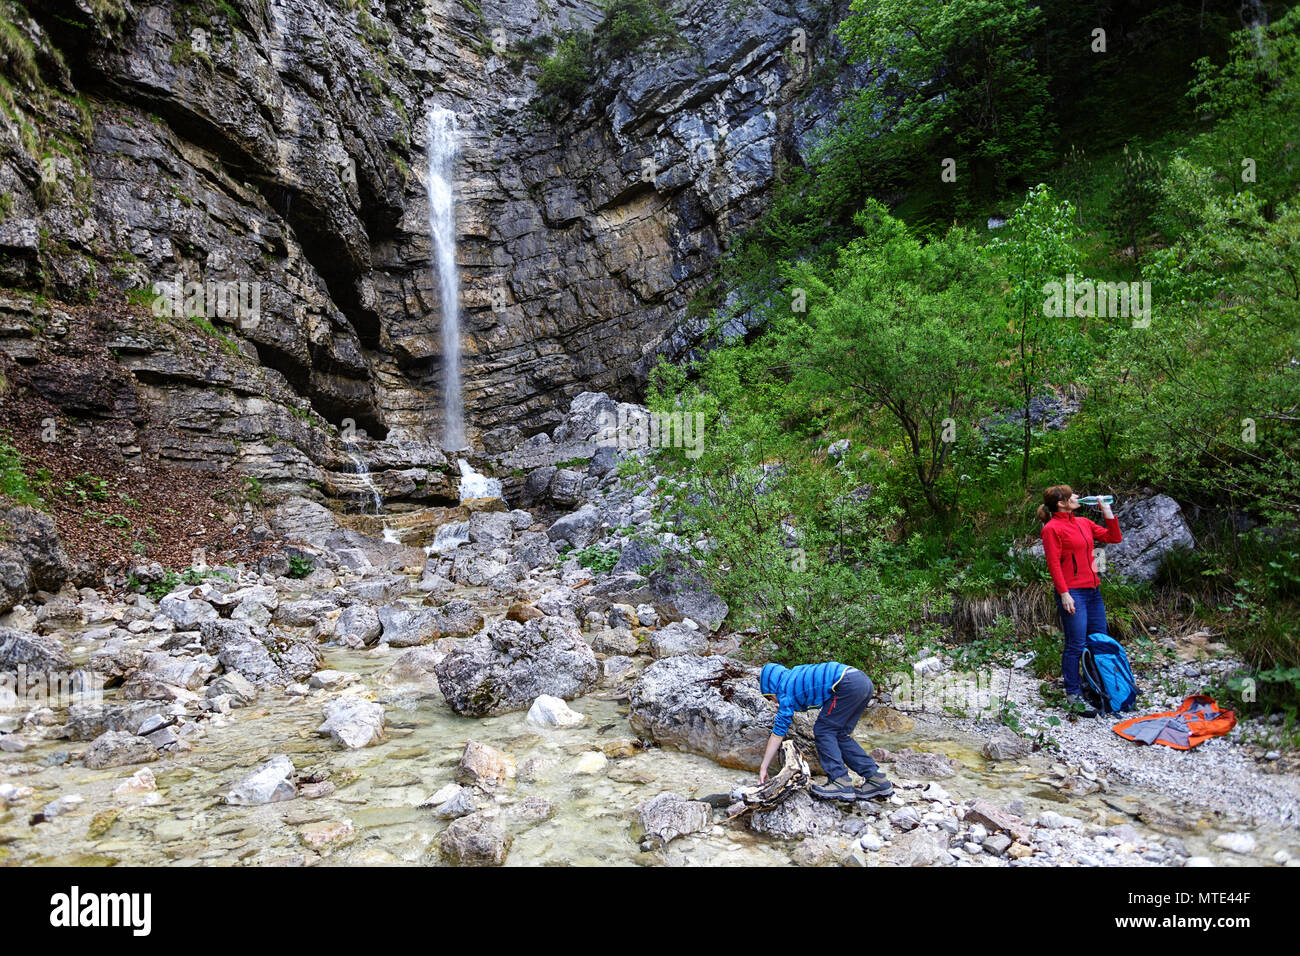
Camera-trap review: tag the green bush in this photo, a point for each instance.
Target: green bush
(598, 559)
(14, 483)
(566, 74)
(630, 24)
(301, 567)
(169, 583)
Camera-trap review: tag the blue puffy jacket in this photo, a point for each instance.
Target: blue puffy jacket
(807, 687)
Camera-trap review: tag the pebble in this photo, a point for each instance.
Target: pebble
(905, 819)
(593, 761)
(331, 679)
(1199, 861)
(1243, 843)
(973, 848)
(142, 781)
(318, 836)
(443, 795)
(10, 794)
(935, 792)
(62, 805)
(997, 844)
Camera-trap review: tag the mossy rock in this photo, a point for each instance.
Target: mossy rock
(311, 744)
(344, 777)
(102, 822)
(75, 859)
(406, 753)
(170, 778)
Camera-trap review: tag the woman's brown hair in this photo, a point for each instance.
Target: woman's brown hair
(1052, 497)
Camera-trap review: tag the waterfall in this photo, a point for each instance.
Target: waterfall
(442, 226)
(1254, 17)
(448, 537)
(475, 485)
(363, 472)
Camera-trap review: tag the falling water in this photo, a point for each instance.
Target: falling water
(442, 225)
(363, 472)
(475, 485)
(448, 537)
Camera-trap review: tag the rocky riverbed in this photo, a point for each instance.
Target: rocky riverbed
(495, 701)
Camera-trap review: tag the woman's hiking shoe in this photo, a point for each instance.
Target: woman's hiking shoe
(875, 788)
(840, 789)
(1076, 704)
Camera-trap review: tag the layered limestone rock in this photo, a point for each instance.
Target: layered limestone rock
(279, 146)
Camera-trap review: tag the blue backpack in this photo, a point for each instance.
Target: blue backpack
(1106, 674)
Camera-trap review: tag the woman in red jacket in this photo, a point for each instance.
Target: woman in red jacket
(1068, 544)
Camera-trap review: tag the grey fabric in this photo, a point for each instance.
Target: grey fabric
(1169, 729)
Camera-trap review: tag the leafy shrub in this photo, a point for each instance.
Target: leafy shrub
(13, 480)
(598, 559)
(630, 24)
(161, 588)
(301, 567)
(566, 74)
(253, 492)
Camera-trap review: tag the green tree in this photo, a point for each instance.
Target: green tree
(1254, 99)
(1218, 397)
(905, 327)
(1136, 195)
(1039, 248)
(960, 79)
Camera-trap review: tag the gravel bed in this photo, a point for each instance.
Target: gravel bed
(1221, 775)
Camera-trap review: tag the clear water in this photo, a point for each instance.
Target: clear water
(380, 789)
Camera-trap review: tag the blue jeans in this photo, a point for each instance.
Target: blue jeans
(1089, 617)
(834, 728)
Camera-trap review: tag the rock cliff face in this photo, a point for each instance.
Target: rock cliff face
(281, 144)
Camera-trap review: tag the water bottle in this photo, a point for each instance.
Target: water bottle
(1093, 501)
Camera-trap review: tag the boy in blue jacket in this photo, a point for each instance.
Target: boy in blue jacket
(842, 693)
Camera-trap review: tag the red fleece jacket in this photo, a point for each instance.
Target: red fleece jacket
(1068, 543)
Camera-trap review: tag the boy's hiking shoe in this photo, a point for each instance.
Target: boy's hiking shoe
(1077, 704)
(840, 789)
(875, 788)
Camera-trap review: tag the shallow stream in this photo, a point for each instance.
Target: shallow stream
(379, 790)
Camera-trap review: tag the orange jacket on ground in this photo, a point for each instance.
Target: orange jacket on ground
(1195, 721)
